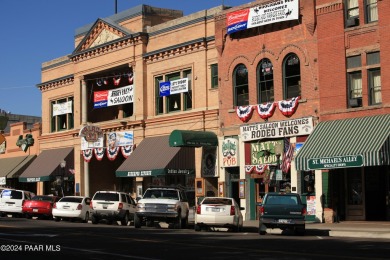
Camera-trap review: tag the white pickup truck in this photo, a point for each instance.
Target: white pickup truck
(163, 204)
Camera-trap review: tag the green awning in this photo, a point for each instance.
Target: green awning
(14, 166)
(153, 157)
(192, 138)
(353, 142)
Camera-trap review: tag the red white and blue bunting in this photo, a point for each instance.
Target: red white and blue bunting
(259, 169)
(87, 154)
(288, 107)
(244, 112)
(99, 153)
(126, 150)
(266, 110)
(112, 152)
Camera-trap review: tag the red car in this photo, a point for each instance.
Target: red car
(39, 206)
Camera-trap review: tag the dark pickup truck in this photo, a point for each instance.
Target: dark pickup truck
(284, 211)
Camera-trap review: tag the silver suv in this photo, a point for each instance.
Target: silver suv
(164, 204)
(112, 206)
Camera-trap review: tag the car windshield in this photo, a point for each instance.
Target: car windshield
(69, 199)
(165, 194)
(42, 198)
(217, 201)
(106, 196)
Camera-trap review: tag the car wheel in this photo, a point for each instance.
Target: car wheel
(261, 229)
(300, 230)
(94, 220)
(125, 220)
(149, 223)
(179, 221)
(184, 222)
(137, 221)
(197, 227)
(57, 219)
(86, 217)
(28, 216)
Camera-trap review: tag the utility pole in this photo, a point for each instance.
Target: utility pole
(116, 6)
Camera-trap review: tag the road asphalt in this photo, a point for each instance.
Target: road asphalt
(360, 229)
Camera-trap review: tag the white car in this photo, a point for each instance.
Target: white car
(72, 207)
(218, 212)
(11, 201)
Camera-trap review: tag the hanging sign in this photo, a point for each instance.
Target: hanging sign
(62, 108)
(277, 129)
(335, 162)
(230, 152)
(268, 13)
(173, 87)
(113, 97)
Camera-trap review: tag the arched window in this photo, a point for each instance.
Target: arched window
(265, 79)
(292, 76)
(240, 82)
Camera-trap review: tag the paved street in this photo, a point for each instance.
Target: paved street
(67, 240)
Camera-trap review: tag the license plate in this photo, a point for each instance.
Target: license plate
(215, 209)
(283, 221)
(104, 206)
(35, 210)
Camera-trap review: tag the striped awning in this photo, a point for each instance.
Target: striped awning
(366, 137)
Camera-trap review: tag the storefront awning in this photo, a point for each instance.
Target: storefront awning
(353, 142)
(47, 164)
(153, 156)
(192, 138)
(13, 167)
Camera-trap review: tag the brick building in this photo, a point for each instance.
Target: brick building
(316, 62)
(105, 118)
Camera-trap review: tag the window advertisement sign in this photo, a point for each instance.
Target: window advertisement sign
(62, 108)
(264, 152)
(115, 139)
(113, 97)
(168, 88)
(268, 13)
(278, 129)
(209, 162)
(230, 152)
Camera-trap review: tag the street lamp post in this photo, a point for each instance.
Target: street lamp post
(62, 164)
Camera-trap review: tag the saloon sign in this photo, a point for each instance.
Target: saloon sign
(278, 129)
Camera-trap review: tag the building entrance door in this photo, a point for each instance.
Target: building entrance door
(354, 200)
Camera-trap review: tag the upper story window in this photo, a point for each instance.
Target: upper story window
(352, 13)
(354, 78)
(62, 115)
(240, 83)
(374, 78)
(265, 79)
(214, 75)
(292, 76)
(168, 98)
(371, 10)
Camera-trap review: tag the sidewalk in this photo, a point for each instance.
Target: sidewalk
(361, 229)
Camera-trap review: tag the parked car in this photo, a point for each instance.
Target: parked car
(72, 207)
(112, 206)
(163, 204)
(11, 201)
(218, 212)
(40, 206)
(284, 211)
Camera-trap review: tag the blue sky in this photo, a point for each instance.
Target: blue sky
(36, 31)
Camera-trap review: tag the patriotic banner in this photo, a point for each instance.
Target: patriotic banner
(87, 154)
(113, 97)
(266, 110)
(99, 153)
(288, 107)
(269, 13)
(244, 113)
